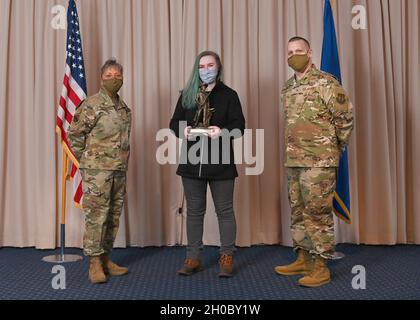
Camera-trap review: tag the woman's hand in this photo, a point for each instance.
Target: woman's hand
(215, 132)
(187, 131)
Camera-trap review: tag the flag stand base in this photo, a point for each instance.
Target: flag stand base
(58, 258)
(338, 255)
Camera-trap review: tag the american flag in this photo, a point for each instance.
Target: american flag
(73, 93)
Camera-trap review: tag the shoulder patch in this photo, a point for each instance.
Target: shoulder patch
(341, 98)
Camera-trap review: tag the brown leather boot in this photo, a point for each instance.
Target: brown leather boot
(302, 265)
(190, 267)
(226, 266)
(96, 272)
(112, 268)
(319, 276)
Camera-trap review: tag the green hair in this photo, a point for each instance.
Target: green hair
(189, 94)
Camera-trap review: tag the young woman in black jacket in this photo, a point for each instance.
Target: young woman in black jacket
(208, 159)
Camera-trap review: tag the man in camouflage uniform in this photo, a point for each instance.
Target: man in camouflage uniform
(318, 124)
(99, 137)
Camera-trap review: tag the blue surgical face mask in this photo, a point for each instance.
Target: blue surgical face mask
(208, 76)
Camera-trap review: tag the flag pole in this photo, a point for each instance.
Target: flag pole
(64, 178)
(61, 258)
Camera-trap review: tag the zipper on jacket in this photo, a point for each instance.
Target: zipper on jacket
(201, 156)
(202, 144)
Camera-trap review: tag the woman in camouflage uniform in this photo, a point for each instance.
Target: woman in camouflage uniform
(99, 138)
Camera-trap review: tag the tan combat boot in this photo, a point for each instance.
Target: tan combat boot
(319, 276)
(112, 268)
(302, 265)
(96, 272)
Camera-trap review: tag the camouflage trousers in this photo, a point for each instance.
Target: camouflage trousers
(103, 200)
(311, 192)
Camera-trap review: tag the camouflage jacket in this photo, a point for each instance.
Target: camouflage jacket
(99, 133)
(318, 120)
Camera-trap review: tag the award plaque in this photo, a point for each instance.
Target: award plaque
(200, 131)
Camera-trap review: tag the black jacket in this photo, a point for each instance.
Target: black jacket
(227, 115)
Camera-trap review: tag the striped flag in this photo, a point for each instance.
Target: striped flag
(331, 64)
(73, 93)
